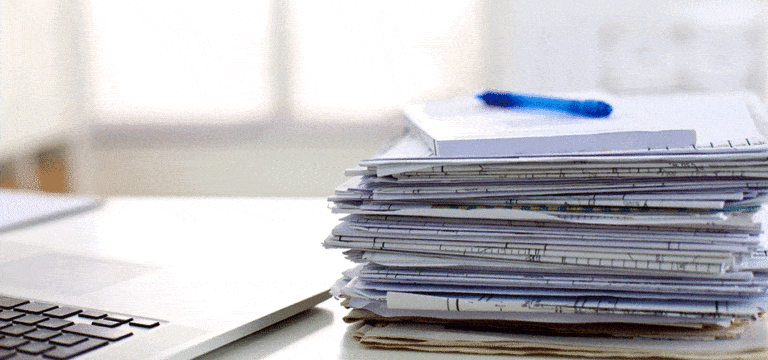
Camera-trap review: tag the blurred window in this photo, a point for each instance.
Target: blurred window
(233, 60)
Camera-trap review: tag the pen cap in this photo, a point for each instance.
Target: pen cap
(501, 99)
(591, 108)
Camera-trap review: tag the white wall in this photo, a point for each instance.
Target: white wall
(42, 88)
(638, 46)
(41, 84)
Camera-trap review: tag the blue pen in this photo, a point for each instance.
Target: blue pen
(588, 108)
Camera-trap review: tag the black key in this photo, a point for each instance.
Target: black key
(30, 319)
(66, 352)
(62, 312)
(98, 331)
(107, 323)
(20, 356)
(17, 329)
(35, 308)
(119, 318)
(11, 342)
(54, 324)
(145, 323)
(6, 354)
(35, 347)
(92, 314)
(68, 339)
(41, 334)
(9, 302)
(9, 315)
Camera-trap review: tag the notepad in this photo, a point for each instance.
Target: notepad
(466, 127)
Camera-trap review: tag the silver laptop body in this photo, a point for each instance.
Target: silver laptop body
(209, 270)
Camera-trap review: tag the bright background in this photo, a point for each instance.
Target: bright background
(277, 97)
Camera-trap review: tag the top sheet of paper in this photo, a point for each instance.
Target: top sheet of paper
(466, 127)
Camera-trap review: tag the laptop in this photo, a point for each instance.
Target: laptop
(191, 274)
(19, 208)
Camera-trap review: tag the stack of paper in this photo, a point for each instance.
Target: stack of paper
(547, 249)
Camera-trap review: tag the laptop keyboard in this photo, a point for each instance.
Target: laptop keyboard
(35, 330)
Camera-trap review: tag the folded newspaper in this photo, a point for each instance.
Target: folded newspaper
(535, 254)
